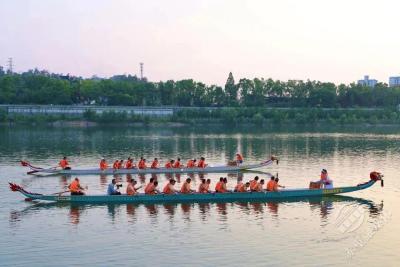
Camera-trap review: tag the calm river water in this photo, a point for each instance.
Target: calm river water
(361, 228)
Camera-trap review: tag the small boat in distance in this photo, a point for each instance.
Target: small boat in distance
(196, 197)
(111, 171)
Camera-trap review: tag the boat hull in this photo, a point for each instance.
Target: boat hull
(110, 171)
(196, 197)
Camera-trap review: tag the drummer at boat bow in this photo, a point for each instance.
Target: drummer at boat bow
(64, 164)
(113, 188)
(75, 188)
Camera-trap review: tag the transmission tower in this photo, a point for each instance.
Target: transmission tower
(10, 65)
(141, 70)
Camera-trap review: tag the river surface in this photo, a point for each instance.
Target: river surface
(360, 229)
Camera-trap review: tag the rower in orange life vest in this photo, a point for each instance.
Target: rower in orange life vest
(129, 163)
(120, 164)
(254, 184)
(151, 188)
(239, 159)
(103, 164)
(185, 189)
(169, 188)
(202, 163)
(131, 189)
(271, 185)
(177, 164)
(142, 164)
(115, 165)
(170, 164)
(75, 188)
(154, 164)
(64, 164)
(259, 186)
(191, 163)
(241, 187)
(220, 187)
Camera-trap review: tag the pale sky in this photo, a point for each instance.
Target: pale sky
(325, 40)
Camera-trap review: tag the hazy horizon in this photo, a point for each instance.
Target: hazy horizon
(335, 41)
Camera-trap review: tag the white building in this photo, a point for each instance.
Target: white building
(394, 81)
(367, 81)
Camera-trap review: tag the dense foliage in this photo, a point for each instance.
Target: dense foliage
(42, 87)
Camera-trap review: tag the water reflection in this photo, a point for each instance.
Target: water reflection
(325, 207)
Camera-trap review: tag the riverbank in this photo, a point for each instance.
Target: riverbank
(225, 116)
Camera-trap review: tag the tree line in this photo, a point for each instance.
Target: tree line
(43, 87)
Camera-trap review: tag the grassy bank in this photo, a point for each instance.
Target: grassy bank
(229, 116)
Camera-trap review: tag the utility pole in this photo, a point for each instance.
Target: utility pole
(141, 70)
(10, 65)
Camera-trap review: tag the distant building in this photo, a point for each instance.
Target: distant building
(367, 81)
(394, 81)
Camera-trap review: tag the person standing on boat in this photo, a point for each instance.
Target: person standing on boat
(178, 164)
(64, 164)
(103, 164)
(254, 184)
(169, 188)
(154, 165)
(111, 189)
(185, 189)
(75, 188)
(202, 163)
(239, 159)
(170, 164)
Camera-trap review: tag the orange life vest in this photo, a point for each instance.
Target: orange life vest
(74, 186)
(103, 165)
(120, 165)
(202, 164)
(130, 190)
(185, 189)
(168, 165)
(253, 185)
(142, 165)
(239, 185)
(218, 187)
(154, 165)
(271, 185)
(149, 190)
(115, 165)
(177, 164)
(64, 163)
(239, 157)
(190, 163)
(203, 188)
(167, 189)
(128, 165)
(242, 188)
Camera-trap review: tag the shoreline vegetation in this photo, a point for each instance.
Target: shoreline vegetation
(224, 116)
(248, 101)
